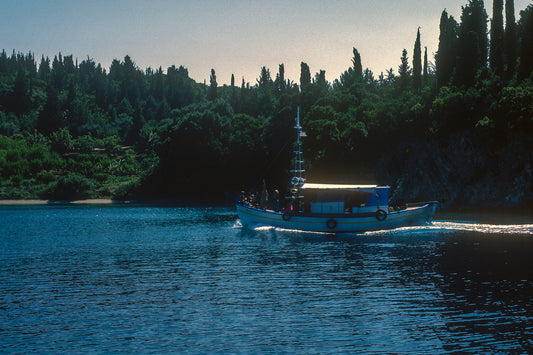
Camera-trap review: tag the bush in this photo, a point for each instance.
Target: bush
(46, 177)
(61, 141)
(74, 187)
(101, 177)
(127, 190)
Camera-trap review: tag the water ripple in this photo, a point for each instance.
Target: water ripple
(148, 279)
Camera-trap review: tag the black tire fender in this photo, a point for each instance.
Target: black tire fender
(381, 215)
(331, 223)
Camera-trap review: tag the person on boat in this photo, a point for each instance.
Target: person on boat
(242, 198)
(276, 200)
(264, 197)
(255, 199)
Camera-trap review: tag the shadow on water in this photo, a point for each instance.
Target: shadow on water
(183, 279)
(487, 287)
(471, 282)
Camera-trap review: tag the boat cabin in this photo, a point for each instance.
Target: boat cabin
(344, 199)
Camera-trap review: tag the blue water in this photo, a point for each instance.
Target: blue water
(147, 279)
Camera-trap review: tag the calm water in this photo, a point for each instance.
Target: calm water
(162, 279)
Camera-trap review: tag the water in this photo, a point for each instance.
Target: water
(162, 279)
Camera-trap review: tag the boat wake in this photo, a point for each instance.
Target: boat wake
(483, 228)
(444, 227)
(437, 227)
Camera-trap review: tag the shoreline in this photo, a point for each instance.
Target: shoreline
(98, 201)
(104, 201)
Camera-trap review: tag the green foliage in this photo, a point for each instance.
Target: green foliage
(516, 107)
(356, 62)
(510, 40)
(75, 130)
(212, 86)
(73, 187)
(417, 63)
(526, 46)
(472, 43)
(61, 141)
(445, 59)
(404, 71)
(496, 38)
(322, 129)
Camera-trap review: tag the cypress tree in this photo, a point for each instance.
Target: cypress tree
(417, 64)
(526, 45)
(305, 76)
(279, 83)
(510, 42)
(446, 53)
(404, 71)
(425, 74)
(472, 43)
(212, 94)
(233, 100)
(496, 38)
(357, 65)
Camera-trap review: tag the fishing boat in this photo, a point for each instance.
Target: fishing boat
(331, 208)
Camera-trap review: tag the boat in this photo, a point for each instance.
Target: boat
(329, 208)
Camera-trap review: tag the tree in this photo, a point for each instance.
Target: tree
(391, 78)
(306, 98)
(50, 118)
(156, 86)
(472, 43)
(417, 64)
(44, 68)
(446, 53)
(368, 76)
(58, 72)
(212, 94)
(20, 101)
(279, 83)
(265, 93)
(357, 65)
(264, 78)
(496, 38)
(305, 76)
(425, 74)
(510, 39)
(404, 71)
(233, 95)
(526, 45)
(320, 84)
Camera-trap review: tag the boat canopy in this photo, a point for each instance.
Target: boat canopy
(339, 187)
(339, 198)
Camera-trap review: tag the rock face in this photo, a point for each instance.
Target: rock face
(462, 171)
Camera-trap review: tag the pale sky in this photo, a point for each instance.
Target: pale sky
(231, 36)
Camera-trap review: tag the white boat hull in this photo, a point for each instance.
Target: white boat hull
(413, 216)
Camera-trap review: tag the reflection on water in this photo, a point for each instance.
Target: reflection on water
(149, 279)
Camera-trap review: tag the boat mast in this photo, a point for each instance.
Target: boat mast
(298, 170)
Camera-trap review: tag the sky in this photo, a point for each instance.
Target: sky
(231, 36)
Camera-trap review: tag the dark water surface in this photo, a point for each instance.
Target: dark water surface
(163, 279)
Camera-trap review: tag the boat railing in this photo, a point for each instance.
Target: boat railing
(419, 204)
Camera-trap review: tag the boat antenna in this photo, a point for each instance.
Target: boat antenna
(298, 169)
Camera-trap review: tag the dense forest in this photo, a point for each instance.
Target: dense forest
(458, 129)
